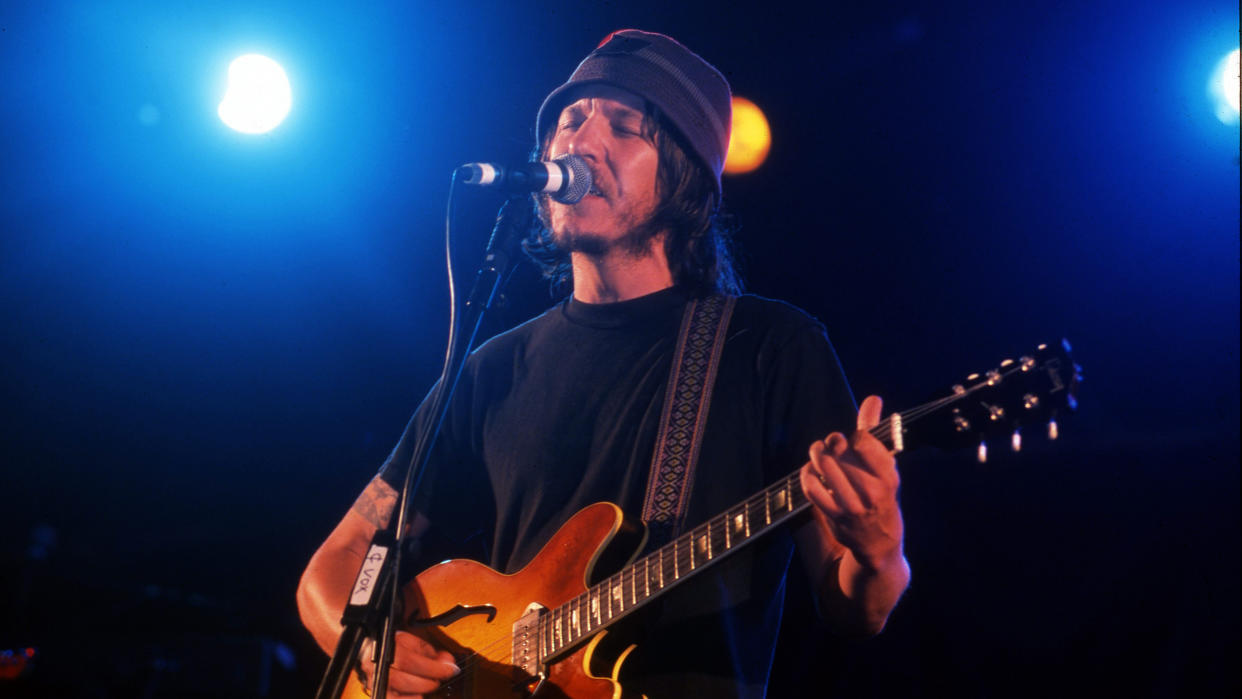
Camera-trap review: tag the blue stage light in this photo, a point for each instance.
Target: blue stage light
(1223, 88)
(258, 96)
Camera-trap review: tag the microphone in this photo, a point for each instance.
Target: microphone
(566, 178)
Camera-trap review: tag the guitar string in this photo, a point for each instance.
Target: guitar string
(684, 544)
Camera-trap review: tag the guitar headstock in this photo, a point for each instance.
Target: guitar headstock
(1019, 395)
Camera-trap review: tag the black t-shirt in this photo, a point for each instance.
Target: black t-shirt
(563, 411)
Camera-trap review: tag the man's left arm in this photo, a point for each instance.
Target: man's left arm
(853, 547)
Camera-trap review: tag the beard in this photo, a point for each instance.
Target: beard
(636, 242)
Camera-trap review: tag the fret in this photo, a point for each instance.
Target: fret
(703, 542)
(633, 585)
(676, 574)
(660, 569)
(767, 508)
(556, 620)
(599, 620)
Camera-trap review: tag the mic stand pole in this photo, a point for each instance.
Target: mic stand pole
(373, 603)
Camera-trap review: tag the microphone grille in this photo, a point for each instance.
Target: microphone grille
(578, 182)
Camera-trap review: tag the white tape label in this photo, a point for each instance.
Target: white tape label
(371, 566)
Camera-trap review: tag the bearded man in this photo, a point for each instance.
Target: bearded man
(566, 409)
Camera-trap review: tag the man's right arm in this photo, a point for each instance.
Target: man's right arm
(328, 578)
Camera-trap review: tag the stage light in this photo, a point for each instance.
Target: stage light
(258, 96)
(1229, 79)
(1223, 88)
(750, 140)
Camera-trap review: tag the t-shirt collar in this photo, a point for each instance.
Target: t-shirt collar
(623, 313)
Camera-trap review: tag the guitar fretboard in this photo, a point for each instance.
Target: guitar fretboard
(636, 584)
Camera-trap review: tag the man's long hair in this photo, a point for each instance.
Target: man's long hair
(699, 240)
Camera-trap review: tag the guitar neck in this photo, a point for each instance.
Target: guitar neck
(652, 575)
(1014, 394)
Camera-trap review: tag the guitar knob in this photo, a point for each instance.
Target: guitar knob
(1052, 429)
(1030, 401)
(996, 412)
(982, 454)
(1016, 440)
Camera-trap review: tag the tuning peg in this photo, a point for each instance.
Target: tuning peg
(1016, 440)
(1052, 429)
(982, 454)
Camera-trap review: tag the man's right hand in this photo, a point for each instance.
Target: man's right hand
(418, 668)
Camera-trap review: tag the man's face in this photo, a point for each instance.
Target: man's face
(604, 126)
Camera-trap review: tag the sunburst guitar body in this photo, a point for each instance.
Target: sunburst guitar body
(485, 607)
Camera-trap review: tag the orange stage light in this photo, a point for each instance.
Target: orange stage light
(750, 140)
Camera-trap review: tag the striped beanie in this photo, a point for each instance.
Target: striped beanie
(692, 94)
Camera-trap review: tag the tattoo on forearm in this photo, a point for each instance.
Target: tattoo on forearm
(376, 503)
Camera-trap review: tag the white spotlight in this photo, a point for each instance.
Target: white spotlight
(1223, 88)
(1229, 80)
(258, 96)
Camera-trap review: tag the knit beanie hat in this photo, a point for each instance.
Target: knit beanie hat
(687, 89)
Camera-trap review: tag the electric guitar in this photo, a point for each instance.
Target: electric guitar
(533, 633)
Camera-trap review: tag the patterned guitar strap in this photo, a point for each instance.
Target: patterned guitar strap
(690, 381)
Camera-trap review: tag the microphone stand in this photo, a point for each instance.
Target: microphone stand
(373, 603)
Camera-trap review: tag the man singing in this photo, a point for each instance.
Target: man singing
(565, 410)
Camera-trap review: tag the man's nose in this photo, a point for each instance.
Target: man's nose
(588, 140)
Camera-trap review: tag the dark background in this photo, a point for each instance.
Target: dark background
(211, 340)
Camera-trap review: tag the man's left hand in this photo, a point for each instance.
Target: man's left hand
(853, 483)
